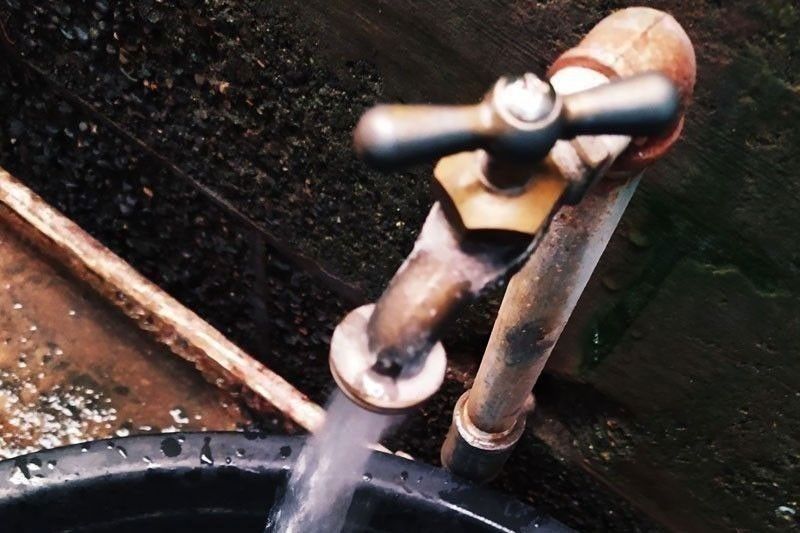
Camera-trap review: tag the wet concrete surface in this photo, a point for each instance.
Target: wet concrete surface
(72, 368)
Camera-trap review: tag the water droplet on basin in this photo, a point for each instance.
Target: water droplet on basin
(786, 512)
(20, 475)
(286, 452)
(367, 476)
(171, 447)
(123, 452)
(228, 460)
(206, 457)
(403, 476)
(240, 452)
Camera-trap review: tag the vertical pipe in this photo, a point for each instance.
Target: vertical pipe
(533, 314)
(489, 419)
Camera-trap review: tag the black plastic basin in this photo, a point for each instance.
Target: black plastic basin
(227, 482)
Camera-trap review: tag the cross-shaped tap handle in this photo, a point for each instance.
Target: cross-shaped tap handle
(518, 121)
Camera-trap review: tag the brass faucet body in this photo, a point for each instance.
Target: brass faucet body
(507, 165)
(475, 235)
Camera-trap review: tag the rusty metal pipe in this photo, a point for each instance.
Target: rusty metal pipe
(489, 419)
(538, 302)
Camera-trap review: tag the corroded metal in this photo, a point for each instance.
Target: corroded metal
(445, 269)
(529, 155)
(535, 309)
(629, 42)
(469, 449)
(182, 331)
(538, 302)
(541, 297)
(352, 363)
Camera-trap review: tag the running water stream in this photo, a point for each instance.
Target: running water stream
(328, 470)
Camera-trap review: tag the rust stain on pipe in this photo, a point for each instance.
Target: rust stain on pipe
(537, 305)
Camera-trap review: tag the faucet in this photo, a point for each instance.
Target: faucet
(506, 165)
(489, 419)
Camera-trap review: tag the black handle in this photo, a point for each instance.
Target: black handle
(518, 121)
(638, 106)
(395, 136)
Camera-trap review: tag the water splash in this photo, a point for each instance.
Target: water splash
(328, 469)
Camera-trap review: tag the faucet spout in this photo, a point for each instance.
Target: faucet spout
(446, 268)
(389, 358)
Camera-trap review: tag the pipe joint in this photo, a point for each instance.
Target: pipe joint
(473, 453)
